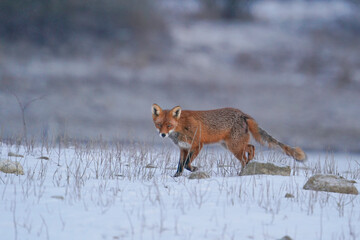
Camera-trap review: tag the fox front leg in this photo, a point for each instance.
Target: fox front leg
(194, 152)
(186, 157)
(183, 155)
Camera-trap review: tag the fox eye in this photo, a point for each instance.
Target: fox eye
(169, 126)
(158, 125)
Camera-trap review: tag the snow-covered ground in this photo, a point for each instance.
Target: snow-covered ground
(103, 191)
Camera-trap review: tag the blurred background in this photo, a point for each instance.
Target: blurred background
(88, 69)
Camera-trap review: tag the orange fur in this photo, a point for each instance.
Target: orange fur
(190, 130)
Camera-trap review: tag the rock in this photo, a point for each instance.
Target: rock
(150, 166)
(330, 183)
(223, 165)
(286, 238)
(171, 168)
(289, 195)
(199, 175)
(258, 168)
(8, 166)
(11, 154)
(58, 197)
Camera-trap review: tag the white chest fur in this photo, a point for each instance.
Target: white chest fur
(184, 145)
(181, 144)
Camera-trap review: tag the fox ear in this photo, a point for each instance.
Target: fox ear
(176, 112)
(156, 110)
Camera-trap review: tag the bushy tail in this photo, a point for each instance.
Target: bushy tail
(263, 137)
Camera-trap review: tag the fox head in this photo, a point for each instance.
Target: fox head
(165, 120)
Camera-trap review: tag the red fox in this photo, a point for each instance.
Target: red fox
(230, 127)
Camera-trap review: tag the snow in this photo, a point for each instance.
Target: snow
(102, 191)
(280, 11)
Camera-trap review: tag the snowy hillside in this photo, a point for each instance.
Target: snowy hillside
(294, 67)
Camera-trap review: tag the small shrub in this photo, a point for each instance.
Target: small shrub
(227, 9)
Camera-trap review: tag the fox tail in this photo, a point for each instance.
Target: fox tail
(262, 137)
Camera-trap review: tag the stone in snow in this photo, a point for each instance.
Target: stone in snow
(265, 168)
(330, 183)
(8, 166)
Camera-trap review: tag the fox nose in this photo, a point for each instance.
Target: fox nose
(163, 135)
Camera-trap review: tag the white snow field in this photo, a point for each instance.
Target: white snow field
(99, 191)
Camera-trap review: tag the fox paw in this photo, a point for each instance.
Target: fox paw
(194, 169)
(191, 168)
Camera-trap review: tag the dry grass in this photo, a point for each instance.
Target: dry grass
(101, 175)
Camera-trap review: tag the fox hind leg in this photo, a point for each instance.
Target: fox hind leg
(239, 147)
(250, 149)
